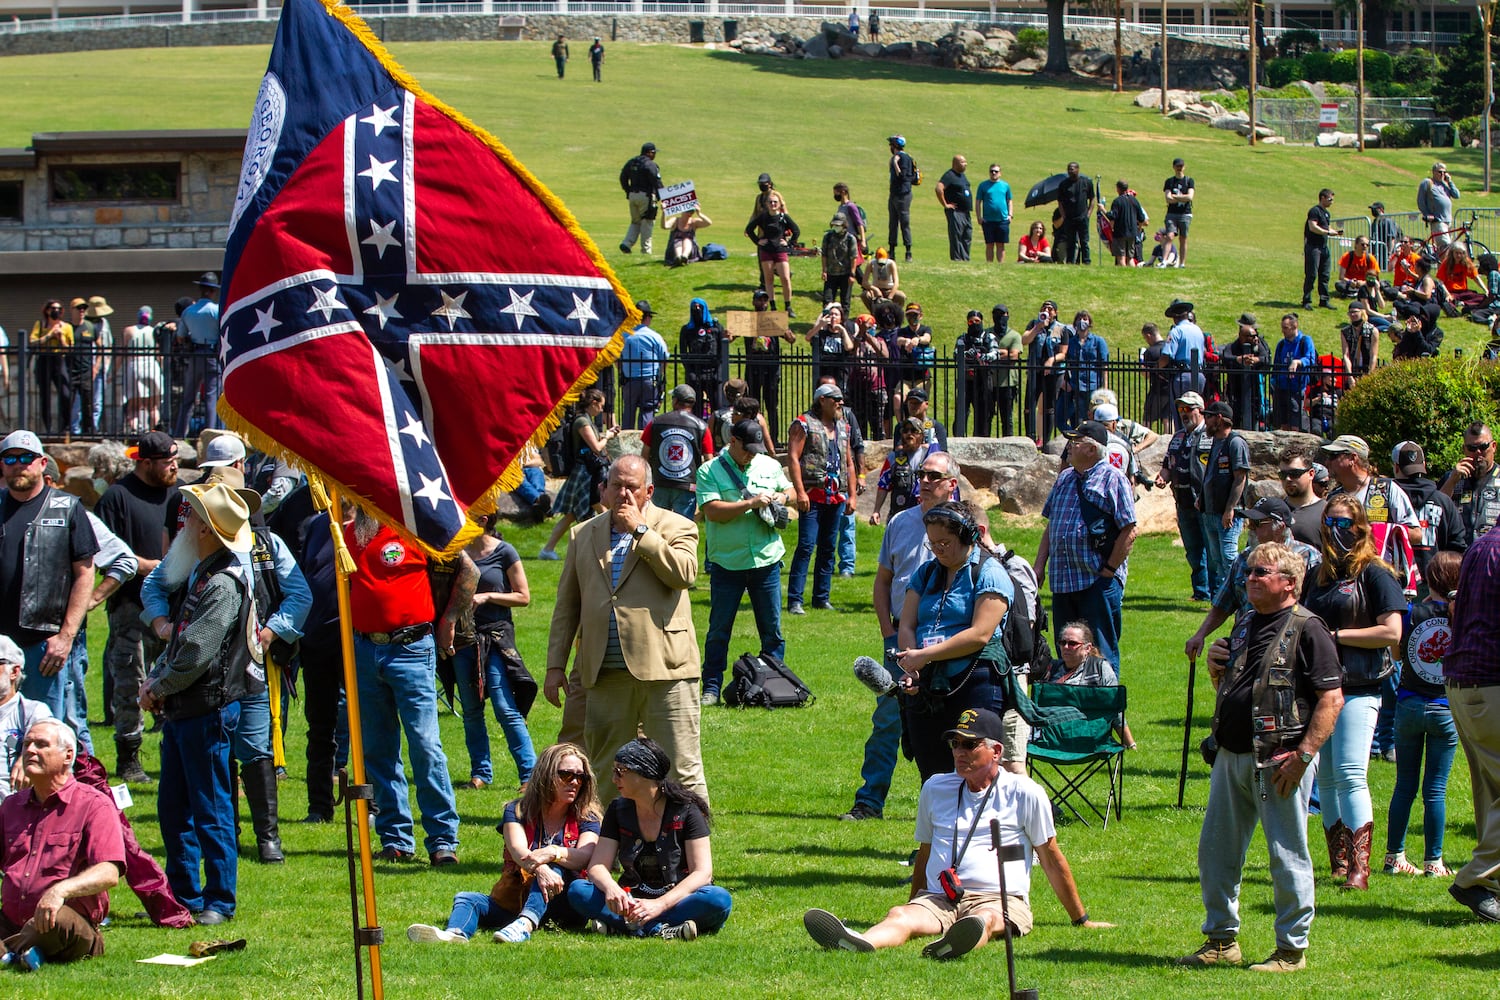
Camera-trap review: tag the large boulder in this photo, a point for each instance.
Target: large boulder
(1023, 490)
(926, 50)
(1026, 65)
(969, 39)
(815, 47)
(838, 34)
(899, 50)
(870, 50)
(982, 457)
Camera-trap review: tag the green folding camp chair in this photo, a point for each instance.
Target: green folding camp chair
(1065, 754)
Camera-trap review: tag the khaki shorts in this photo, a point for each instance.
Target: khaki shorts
(1016, 733)
(972, 902)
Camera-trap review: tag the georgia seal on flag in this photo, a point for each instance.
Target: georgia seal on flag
(404, 304)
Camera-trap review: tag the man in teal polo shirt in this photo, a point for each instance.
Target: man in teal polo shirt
(739, 494)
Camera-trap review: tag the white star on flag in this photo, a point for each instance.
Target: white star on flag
(452, 308)
(265, 321)
(381, 239)
(380, 118)
(383, 309)
(379, 171)
(328, 302)
(583, 311)
(415, 430)
(520, 307)
(431, 491)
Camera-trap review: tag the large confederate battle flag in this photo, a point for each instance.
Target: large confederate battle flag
(404, 304)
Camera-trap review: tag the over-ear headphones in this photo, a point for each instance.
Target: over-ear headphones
(968, 530)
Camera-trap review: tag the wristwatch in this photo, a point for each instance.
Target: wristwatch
(641, 529)
(1305, 757)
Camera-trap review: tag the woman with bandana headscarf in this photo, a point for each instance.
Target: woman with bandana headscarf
(1359, 598)
(658, 832)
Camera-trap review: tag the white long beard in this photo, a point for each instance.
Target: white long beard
(365, 528)
(177, 565)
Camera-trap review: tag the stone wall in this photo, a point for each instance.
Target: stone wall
(538, 27)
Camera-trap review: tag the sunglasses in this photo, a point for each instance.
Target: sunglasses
(24, 459)
(621, 770)
(927, 475)
(571, 776)
(1343, 523)
(994, 171)
(1292, 473)
(1260, 571)
(1072, 643)
(958, 744)
(1478, 446)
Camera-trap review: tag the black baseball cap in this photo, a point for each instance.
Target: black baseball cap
(1269, 507)
(1091, 429)
(749, 434)
(977, 724)
(1219, 409)
(152, 445)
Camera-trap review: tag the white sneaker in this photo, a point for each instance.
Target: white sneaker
(515, 932)
(428, 934)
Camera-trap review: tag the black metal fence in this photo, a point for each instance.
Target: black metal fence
(57, 393)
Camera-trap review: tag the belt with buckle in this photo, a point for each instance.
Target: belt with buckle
(401, 636)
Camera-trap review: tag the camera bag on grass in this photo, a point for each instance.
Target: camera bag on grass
(765, 682)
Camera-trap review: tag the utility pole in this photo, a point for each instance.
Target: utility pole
(1119, 70)
(1487, 17)
(1163, 56)
(1359, 74)
(1254, 62)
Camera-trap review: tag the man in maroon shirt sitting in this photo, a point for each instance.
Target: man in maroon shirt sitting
(56, 825)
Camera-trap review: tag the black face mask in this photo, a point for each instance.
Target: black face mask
(54, 313)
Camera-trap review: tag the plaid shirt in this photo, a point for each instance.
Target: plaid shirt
(1474, 616)
(1071, 565)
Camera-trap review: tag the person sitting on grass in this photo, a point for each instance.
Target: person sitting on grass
(1164, 254)
(657, 831)
(682, 239)
(1081, 665)
(1034, 248)
(550, 834)
(1356, 266)
(955, 891)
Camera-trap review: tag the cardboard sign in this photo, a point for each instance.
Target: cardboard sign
(745, 323)
(679, 198)
(1328, 116)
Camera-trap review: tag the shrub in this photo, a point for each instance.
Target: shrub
(1295, 43)
(1415, 66)
(1429, 401)
(1319, 66)
(1031, 42)
(1344, 66)
(1282, 71)
(1400, 134)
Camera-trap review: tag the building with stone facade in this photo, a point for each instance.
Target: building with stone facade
(132, 216)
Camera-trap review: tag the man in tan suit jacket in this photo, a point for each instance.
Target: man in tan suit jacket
(623, 596)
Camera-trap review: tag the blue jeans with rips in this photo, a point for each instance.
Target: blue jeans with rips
(707, 907)
(817, 529)
(398, 690)
(1424, 729)
(1099, 605)
(1194, 546)
(727, 587)
(503, 699)
(196, 804)
(883, 745)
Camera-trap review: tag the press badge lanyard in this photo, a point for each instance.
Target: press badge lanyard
(973, 824)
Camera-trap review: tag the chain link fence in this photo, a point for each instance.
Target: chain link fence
(1296, 118)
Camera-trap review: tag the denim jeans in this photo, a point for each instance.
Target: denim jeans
(684, 502)
(1385, 721)
(1220, 545)
(398, 690)
(1194, 547)
(727, 587)
(882, 745)
(846, 542)
(77, 669)
(473, 910)
(817, 529)
(707, 907)
(196, 805)
(1236, 802)
(512, 722)
(55, 691)
(1099, 605)
(533, 485)
(252, 735)
(1343, 791)
(1422, 728)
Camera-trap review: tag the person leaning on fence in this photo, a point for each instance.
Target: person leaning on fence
(1435, 197)
(1261, 749)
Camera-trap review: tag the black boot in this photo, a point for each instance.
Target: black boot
(260, 792)
(128, 761)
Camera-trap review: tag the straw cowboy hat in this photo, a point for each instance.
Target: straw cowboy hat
(222, 509)
(235, 480)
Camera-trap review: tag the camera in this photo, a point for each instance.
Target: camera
(952, 887)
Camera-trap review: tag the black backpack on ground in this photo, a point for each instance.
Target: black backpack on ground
(765, 682)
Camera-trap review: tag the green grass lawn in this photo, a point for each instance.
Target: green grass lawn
(780, 779)
(720, 119)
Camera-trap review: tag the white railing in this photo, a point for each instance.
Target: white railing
(1218, 33)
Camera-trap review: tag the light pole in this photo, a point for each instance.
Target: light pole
(1359, 74)
(1487, 18)
(1163, 56)
(1254, 59)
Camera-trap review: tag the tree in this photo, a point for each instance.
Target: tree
(1460, 89)
(1057, 39)
(1377, 17)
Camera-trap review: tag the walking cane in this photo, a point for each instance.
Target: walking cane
(1004, 853)
(1187, 728)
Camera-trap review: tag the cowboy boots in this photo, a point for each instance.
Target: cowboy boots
(1359, 857)
(259, 779)
(1338, 849)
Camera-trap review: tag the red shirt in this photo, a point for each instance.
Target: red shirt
(389, 590)
(46, 842)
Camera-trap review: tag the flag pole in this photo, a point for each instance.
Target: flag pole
(370, 935)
